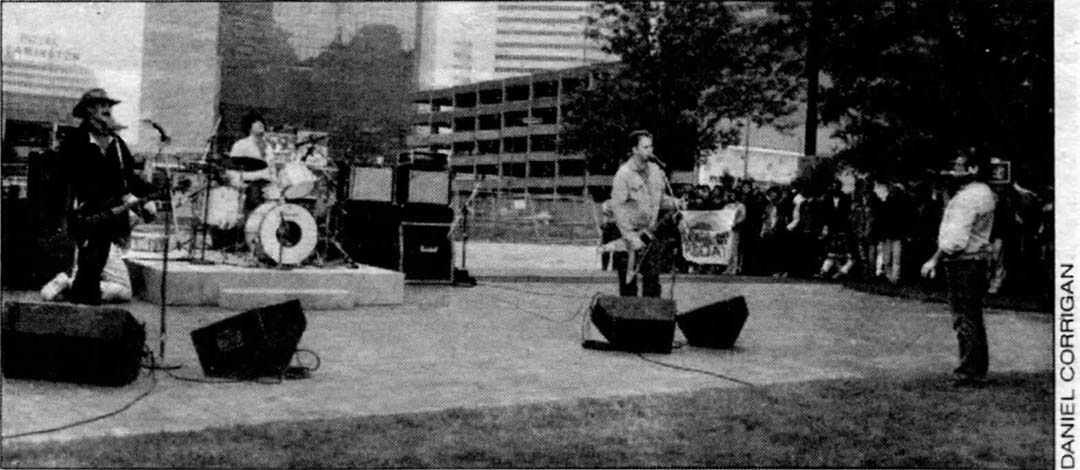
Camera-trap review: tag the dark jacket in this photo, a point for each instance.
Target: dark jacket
(836, 214)
(96, 183)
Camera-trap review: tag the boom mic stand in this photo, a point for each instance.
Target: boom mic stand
(462, 277)
(160, 364)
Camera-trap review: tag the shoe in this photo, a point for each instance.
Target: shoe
(963, 380)
(53, 288)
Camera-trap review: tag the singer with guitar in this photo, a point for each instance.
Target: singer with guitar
(102, 188)
(638, 197)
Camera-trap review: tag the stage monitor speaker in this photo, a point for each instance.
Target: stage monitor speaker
(370, 233)
(714, 326)
(636, 324)
(256, 343)
(71, 343)
(427, 253)
(373, 184)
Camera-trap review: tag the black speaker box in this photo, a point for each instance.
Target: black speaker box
(427, 253)
(256, 343)
(370, 233)
(71, 343)
(636, 324)
(714, 326)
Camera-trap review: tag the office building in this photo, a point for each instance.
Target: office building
(504, 134)
(467, 42)
(344, 68)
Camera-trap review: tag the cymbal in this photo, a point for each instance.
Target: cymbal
(244, 164)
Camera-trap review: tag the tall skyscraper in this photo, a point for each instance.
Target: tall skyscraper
(535, 36)
(468, 42)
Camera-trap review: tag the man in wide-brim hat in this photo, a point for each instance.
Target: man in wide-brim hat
(102, 187)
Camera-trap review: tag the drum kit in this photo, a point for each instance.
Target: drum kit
(277, 217)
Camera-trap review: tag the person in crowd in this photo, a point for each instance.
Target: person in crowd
(751, 234)
(836, 232)
(964, 251)
(733, 202)
(928, 203)
(1004, 236)
(894, 224)
(103, 188)
(637, 197)
(609, 232)
(772, 233)
(802, 236)
(863, 209)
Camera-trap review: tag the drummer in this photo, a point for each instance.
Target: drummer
(254, 183)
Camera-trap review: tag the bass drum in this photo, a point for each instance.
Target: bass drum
(281, 233)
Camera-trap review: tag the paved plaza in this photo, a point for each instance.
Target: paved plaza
(512, 343)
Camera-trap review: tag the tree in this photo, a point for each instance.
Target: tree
(690, 73)
(911, 82)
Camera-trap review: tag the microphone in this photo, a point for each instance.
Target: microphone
(161, 131)
(652, 158)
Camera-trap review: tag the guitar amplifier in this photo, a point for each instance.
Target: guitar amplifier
(427, 253)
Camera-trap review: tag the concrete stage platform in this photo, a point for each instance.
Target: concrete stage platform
(242, 288)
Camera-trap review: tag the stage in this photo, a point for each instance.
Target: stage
(488, 346)
(241, 287)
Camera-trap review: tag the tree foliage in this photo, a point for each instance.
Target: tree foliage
(910, 82)
(690, 73)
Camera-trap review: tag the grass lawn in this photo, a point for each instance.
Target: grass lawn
(879, 422)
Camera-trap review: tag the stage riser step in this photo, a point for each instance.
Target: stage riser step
(311, 299)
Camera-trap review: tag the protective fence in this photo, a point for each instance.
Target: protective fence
(503, 217)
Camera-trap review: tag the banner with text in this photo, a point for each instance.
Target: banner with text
(706, 236)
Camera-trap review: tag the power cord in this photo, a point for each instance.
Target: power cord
(695, 370)
(299, 371)
(128, 405)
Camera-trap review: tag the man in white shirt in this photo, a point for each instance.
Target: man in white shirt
(637, 195)
(252, 146)
(964, 250)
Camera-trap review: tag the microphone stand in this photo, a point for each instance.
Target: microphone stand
(160, 364)
(462, 277)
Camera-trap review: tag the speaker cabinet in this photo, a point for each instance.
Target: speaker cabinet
(714, 326)
(636, 324)
(427, 253)
(370, 233)
(71, 343)
(371, 184)
(256, 343)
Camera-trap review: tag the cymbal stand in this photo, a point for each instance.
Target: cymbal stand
(331, 227)
(206, 196)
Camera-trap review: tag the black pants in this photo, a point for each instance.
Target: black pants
(967, 286)
(93, 254)
(648, 272)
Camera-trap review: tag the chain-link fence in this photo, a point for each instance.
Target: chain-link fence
(532, 218)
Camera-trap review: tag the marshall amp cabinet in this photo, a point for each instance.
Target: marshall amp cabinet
(427, 253)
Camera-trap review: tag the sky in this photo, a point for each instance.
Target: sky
(108, 37)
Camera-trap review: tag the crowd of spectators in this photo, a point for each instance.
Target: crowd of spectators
(881, 230)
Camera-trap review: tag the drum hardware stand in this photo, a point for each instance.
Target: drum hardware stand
(206, 196)
(331, 230)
